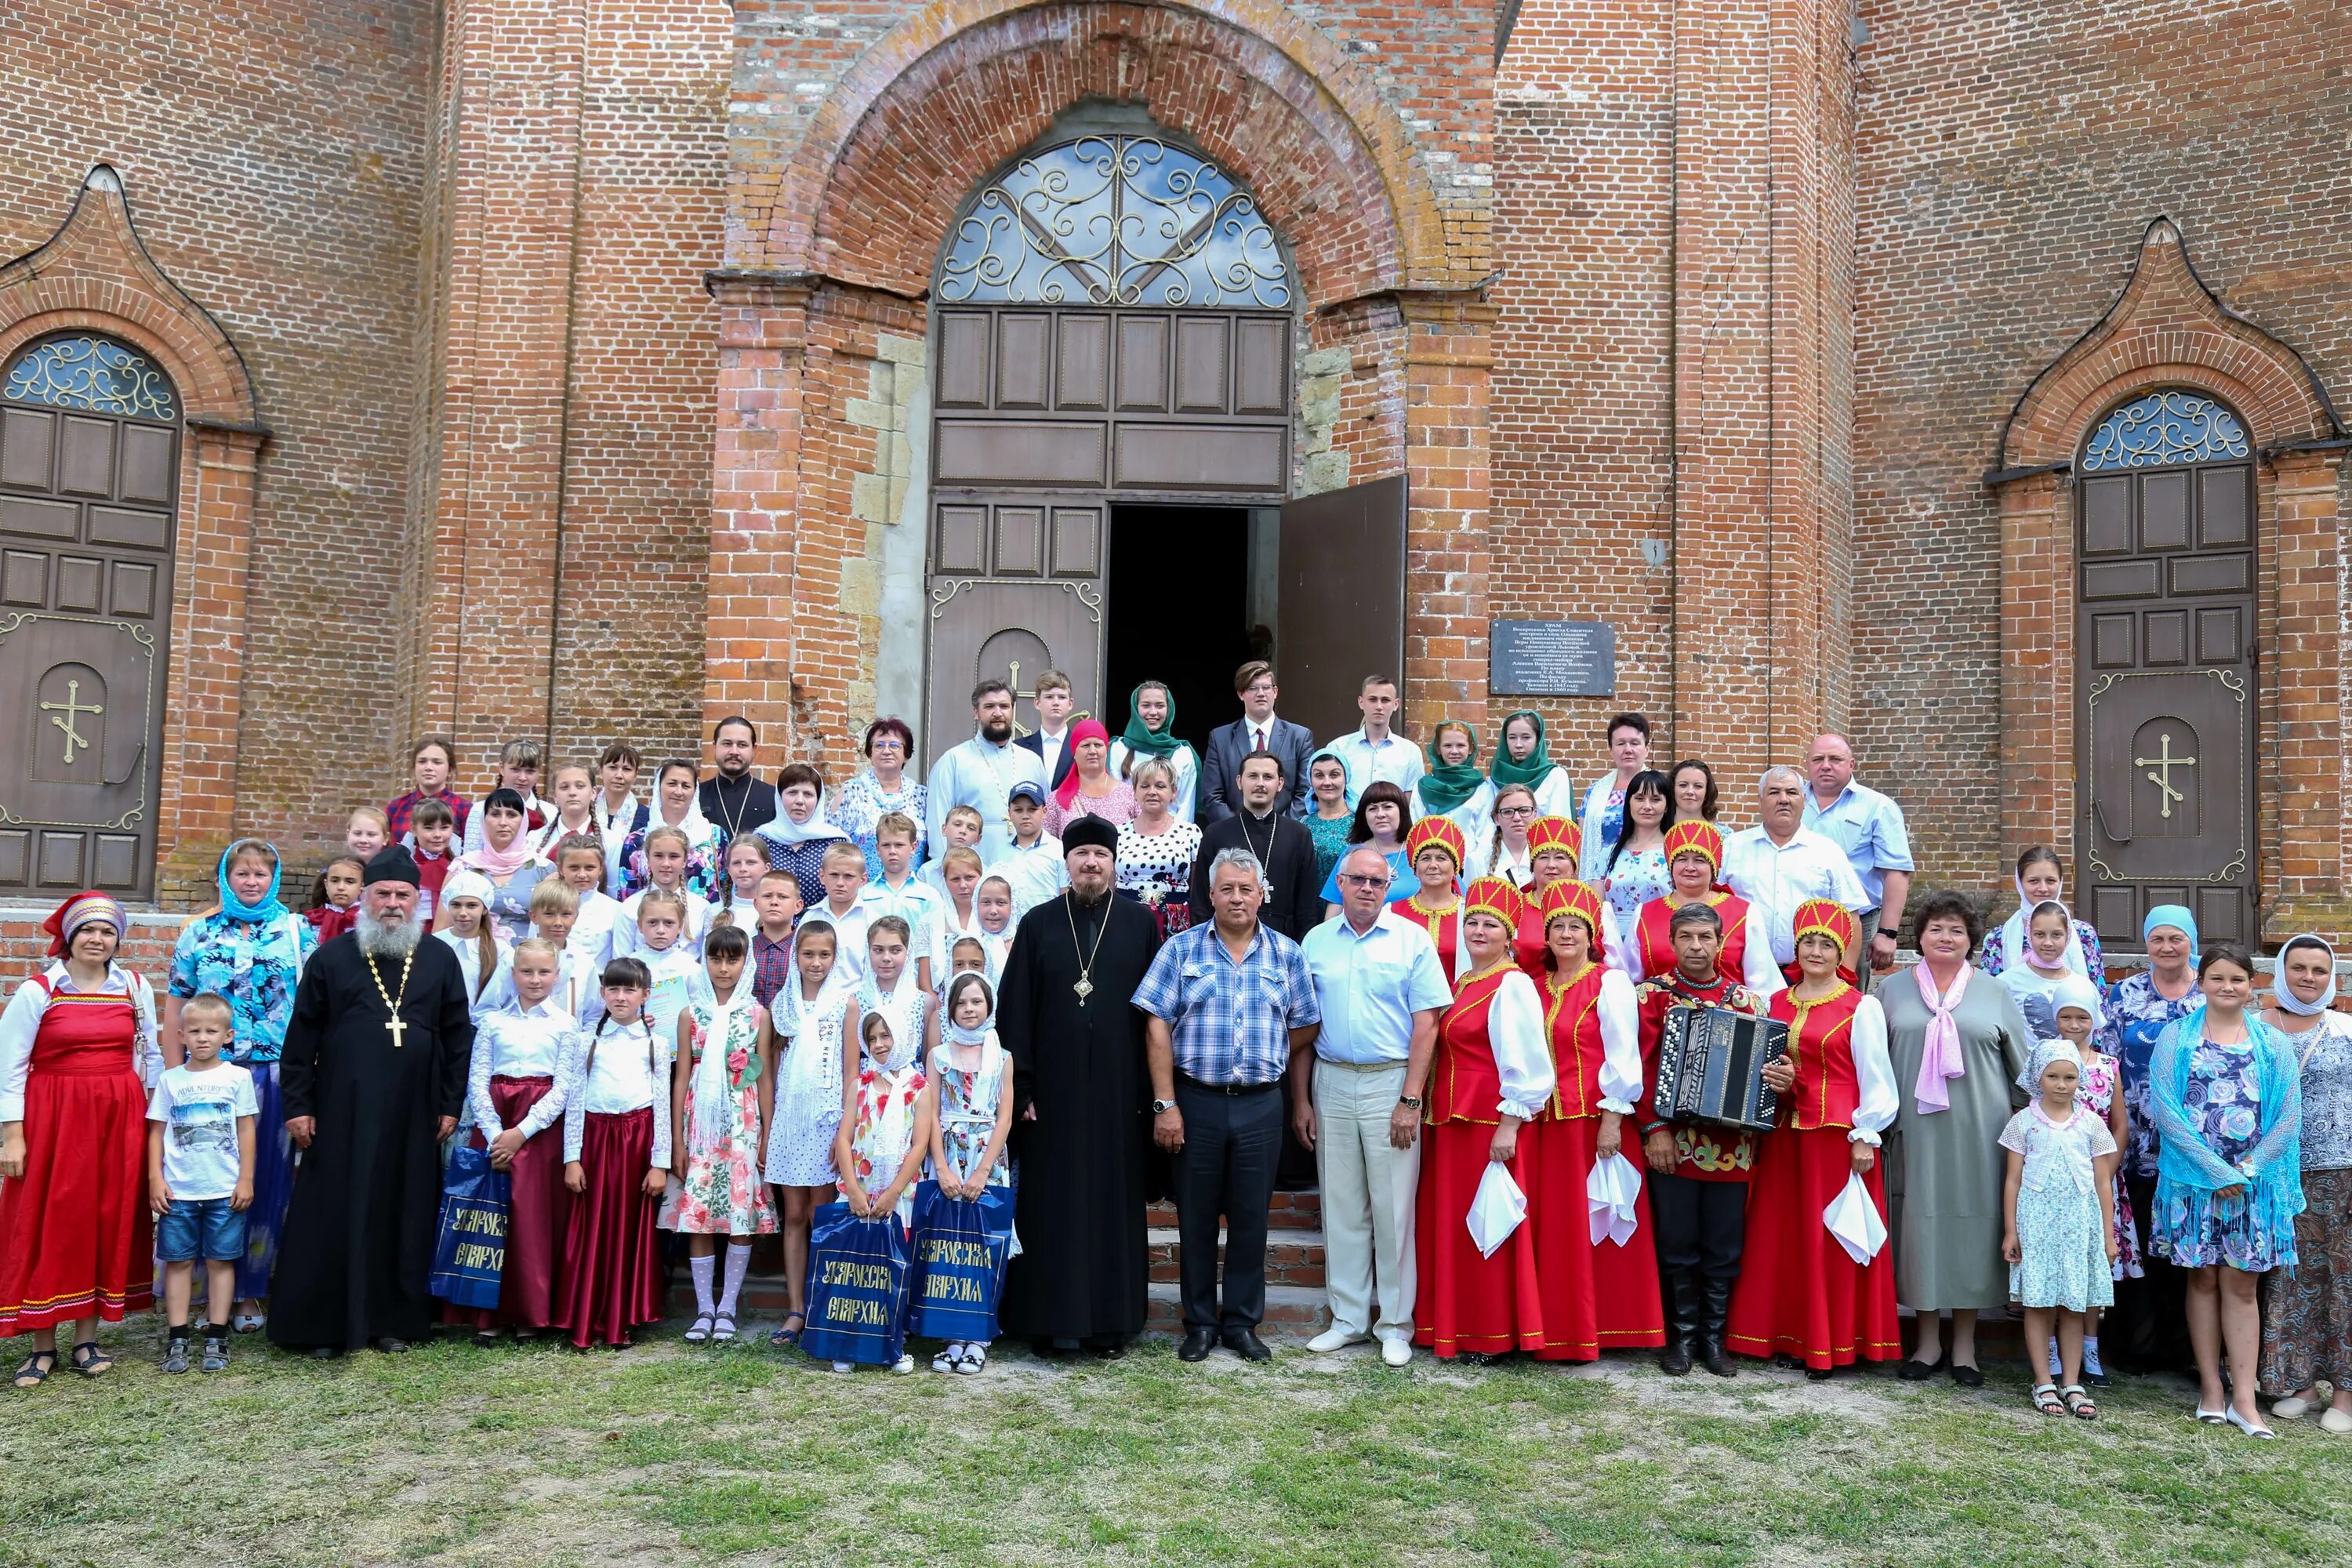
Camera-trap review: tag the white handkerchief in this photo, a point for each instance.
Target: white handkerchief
(1853, 1219)
(1609, 1193)
(1497, 1209)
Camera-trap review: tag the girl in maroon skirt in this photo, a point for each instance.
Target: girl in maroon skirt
(515, 1107)
(78, 1049)
(616, 1152)
(1490, 1075)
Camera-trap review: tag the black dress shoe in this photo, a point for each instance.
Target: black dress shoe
(1967, 1377)
(390, 1344)
(1198, 1343)
(1674, 1357)
(1109, 1347)
(326, 1352)
(1244, 1343)
(1917, 1371)
(1818, 1373)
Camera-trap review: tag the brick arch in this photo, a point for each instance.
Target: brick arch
(959, 90)
(2167, 329)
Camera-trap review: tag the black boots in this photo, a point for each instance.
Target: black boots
(1716, 1297)
(1683, 1307)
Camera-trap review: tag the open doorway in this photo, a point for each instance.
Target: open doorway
(1183, 606)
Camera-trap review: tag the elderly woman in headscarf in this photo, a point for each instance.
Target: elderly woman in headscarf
(2148, 1330)
(78, 1053)
(2307, 1327)
(1957, 1043)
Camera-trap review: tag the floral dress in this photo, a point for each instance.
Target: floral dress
(1639, 876)
(1157, 868)
(2096, 1093)
(705, 864)
(2137, 1015)
(722, 1192)
(968, 1102)
(2197, 1228)
(2058, 1220)
(885, 1129)
(1115, 806)
(863, 803)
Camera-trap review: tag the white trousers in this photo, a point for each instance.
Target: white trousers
(1368, 1187)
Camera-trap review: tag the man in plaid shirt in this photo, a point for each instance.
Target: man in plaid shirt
(1227, 1002)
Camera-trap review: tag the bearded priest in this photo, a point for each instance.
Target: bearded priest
(372, 1079)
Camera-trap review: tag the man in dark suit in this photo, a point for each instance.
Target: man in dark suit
(1051, 741)
(1294, 894)
(1257, 730)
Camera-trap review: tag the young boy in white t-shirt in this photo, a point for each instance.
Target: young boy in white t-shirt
(200, 1177)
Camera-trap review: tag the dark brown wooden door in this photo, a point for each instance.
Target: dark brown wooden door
(88, 466)
(1340, 609)
(2167, 715)
(1016, 590)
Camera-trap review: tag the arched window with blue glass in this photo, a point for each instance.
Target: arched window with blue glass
(2165, 503)
(89, 477)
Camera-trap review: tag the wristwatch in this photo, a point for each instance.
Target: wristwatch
(1161, 1106)
(1410, 1102)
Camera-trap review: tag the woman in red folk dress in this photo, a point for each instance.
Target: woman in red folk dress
(1694, 859)
(1800, 1294)
(1435, 849)
(1490, 1074)
(1599, 1295)
(1554, 843)
(77, 1047)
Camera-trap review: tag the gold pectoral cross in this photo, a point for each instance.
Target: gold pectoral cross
(2160, 772)
(398, 1028)
(67, 715)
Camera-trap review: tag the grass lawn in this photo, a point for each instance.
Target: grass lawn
(670, 1452)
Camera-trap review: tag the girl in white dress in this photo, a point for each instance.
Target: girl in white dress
(970, 1108)
(2059, 1197)
(806, 1015)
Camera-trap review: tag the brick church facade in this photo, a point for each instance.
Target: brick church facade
(1958, 376)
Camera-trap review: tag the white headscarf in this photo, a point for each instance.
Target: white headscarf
(465, 883)
(2017, 950)
(782, 829)
(698, 828)
(2288, 1001)
(713, 1124)
(2076, 991)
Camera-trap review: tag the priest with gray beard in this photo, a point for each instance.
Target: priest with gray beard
(372, 1079)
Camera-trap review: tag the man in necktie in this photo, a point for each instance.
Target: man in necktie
(1257, 730)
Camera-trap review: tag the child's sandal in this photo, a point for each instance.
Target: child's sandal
(35, 1368)
(2046, 1399)
(2079, 1403)
(723, 1329)
(699, 1329)
(973, 1361)
(785, 1334)
(92, 1362)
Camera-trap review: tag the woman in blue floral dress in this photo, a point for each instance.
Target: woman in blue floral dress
(2146, 1331)
(248, 950)
(2229, 1112)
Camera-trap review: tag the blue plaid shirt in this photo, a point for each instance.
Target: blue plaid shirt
(1231, 1021)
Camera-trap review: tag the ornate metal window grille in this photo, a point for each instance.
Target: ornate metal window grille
(93, 374)
(1115, 220)
(2164, 428)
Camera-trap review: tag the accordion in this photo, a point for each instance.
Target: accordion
(1710, 1067)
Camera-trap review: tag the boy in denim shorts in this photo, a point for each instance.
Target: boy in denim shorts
(200, 1176)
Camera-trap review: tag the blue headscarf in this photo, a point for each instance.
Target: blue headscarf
(2176, 916)
(235, 909)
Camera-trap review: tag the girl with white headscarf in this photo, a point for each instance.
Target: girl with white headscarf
(725, 1095)
(2040, 879)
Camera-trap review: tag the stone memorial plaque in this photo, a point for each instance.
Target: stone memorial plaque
(1552, 659)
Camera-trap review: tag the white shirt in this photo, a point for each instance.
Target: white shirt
(1369, 984)
(1035, 874)
(1395, 760)
(913, 902)
(480, 989)
(1758, 970)
(1874, 1072)
(849, 939)
(199, 1111)
(1474, 816)
(978, 775)
(1777, 878)
(1620, 1043)
(625, 941)
(578, 991)
(947, 931)
(592, 931)
(676, 971)
(513, 1042)
(1049, 747)
(613, 828)
(1522, 1047)
(631, 1072)
(22, 1021)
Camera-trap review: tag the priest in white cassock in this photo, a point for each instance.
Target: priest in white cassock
(979, 773)
(372, 1079)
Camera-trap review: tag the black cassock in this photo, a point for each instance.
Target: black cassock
(357, 1251)
(1081, 1273)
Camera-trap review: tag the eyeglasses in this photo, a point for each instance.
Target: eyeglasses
(1515, 811)
(1358, 879)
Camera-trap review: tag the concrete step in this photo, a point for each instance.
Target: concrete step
(1292, 1312)
(1292, 1257)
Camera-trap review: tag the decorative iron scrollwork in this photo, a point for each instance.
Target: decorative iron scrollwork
(2165, 428)
(94, 374)
(1115, 220)
(2232, 682)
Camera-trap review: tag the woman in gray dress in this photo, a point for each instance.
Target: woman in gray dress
(1957, 1043)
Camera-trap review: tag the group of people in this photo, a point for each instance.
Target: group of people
(1097, 969)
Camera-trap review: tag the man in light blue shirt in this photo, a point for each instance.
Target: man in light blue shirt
(1869, 827)
(981, 773)
(1381, 990)
(1371, 751)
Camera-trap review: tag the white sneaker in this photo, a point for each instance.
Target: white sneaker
(1396, 1352)
(842, 1367)
(1335, 1339)
(904, 1364)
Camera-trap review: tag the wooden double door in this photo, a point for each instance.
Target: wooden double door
(1046, 418)
(2167, 718)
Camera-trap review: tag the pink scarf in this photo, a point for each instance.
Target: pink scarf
(501, 862)
(1941, 1059)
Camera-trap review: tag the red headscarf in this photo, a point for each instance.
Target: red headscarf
(1083, 730)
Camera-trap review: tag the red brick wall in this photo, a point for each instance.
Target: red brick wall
(273, 158)
(2008, 163)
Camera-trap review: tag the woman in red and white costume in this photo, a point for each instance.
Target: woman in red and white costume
(1801, 1295)
(1490, 1074)
(1435, 849)
(1599, 1295)
(1694, 861)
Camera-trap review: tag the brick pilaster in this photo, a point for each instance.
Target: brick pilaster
(1449, 366)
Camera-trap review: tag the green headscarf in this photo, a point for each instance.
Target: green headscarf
(1140, 738)
(1530, 773)
(1447, 785)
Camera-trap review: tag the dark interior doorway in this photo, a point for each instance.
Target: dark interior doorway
(1178, 610)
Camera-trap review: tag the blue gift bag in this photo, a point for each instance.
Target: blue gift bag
(857, 1288)
(477, 1205)
(961, 1249)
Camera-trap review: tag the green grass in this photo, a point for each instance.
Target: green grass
(536, 1455)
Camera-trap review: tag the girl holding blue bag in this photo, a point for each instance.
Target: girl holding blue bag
(970, 1107)
(885, 1130)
